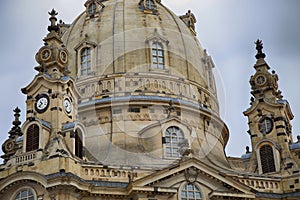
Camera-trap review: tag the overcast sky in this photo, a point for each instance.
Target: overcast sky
(227, 29)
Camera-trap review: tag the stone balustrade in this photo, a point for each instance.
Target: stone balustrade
(263, 185)
(98, 173)
(27, 157)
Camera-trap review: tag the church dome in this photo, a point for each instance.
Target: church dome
(121, 36)
(141, 70)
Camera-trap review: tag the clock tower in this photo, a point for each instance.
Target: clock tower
(269, 119)
(51, 104)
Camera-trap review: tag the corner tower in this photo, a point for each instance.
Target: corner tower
(51, 105)
(269, 120)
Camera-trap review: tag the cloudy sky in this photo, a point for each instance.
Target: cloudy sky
(227, 29)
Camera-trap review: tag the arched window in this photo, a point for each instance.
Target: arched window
(149, 4)
(158, 60)
(25, 194)
(173, 137)
(92, 8)
(85, 61)
(267, 159)
(32, 138)
(78, 143)
(190, 192)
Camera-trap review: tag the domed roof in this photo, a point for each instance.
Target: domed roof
(122, 32)
(143, 74)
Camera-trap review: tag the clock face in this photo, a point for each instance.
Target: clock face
(260, 80)
(9, 146)
(265, 125)
(42, 103)
(45, 54)
(67, 106)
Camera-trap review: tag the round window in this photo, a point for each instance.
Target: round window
(260, 80)
(149, 4)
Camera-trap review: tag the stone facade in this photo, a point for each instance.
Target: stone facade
(124, 106)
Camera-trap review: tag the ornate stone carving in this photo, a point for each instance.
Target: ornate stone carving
(10, 146)
(191, 175)
(53, 56)
(190, 20)
(184, 148)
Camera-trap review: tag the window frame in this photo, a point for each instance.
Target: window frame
(92, 9)
(196, 188)
(159, 54)
(35, 137)
(267, 159)
(164, 43)
(78, 146)
(276, 155)
(34, 195)
(170, 146)
(85, 65)
(148, 5)
(79, 48)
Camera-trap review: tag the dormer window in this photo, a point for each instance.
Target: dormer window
(158, 60)
(92, 8)
(85, 61)
(149, 4)
(85, 54)
(158, 52)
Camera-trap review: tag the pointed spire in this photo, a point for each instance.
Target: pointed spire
(16, 129)
(259, 48)
(53, 20)
(53, 56)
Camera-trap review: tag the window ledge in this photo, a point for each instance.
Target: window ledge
(159, 70)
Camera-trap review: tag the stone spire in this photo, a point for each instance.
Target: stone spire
(260, 56)
(16, 129)
(264, 84)
(53, 20)
(53, 56)
(10, 146)
(259, 48)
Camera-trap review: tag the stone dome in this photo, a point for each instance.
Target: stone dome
(141, 70)
(121, 35)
